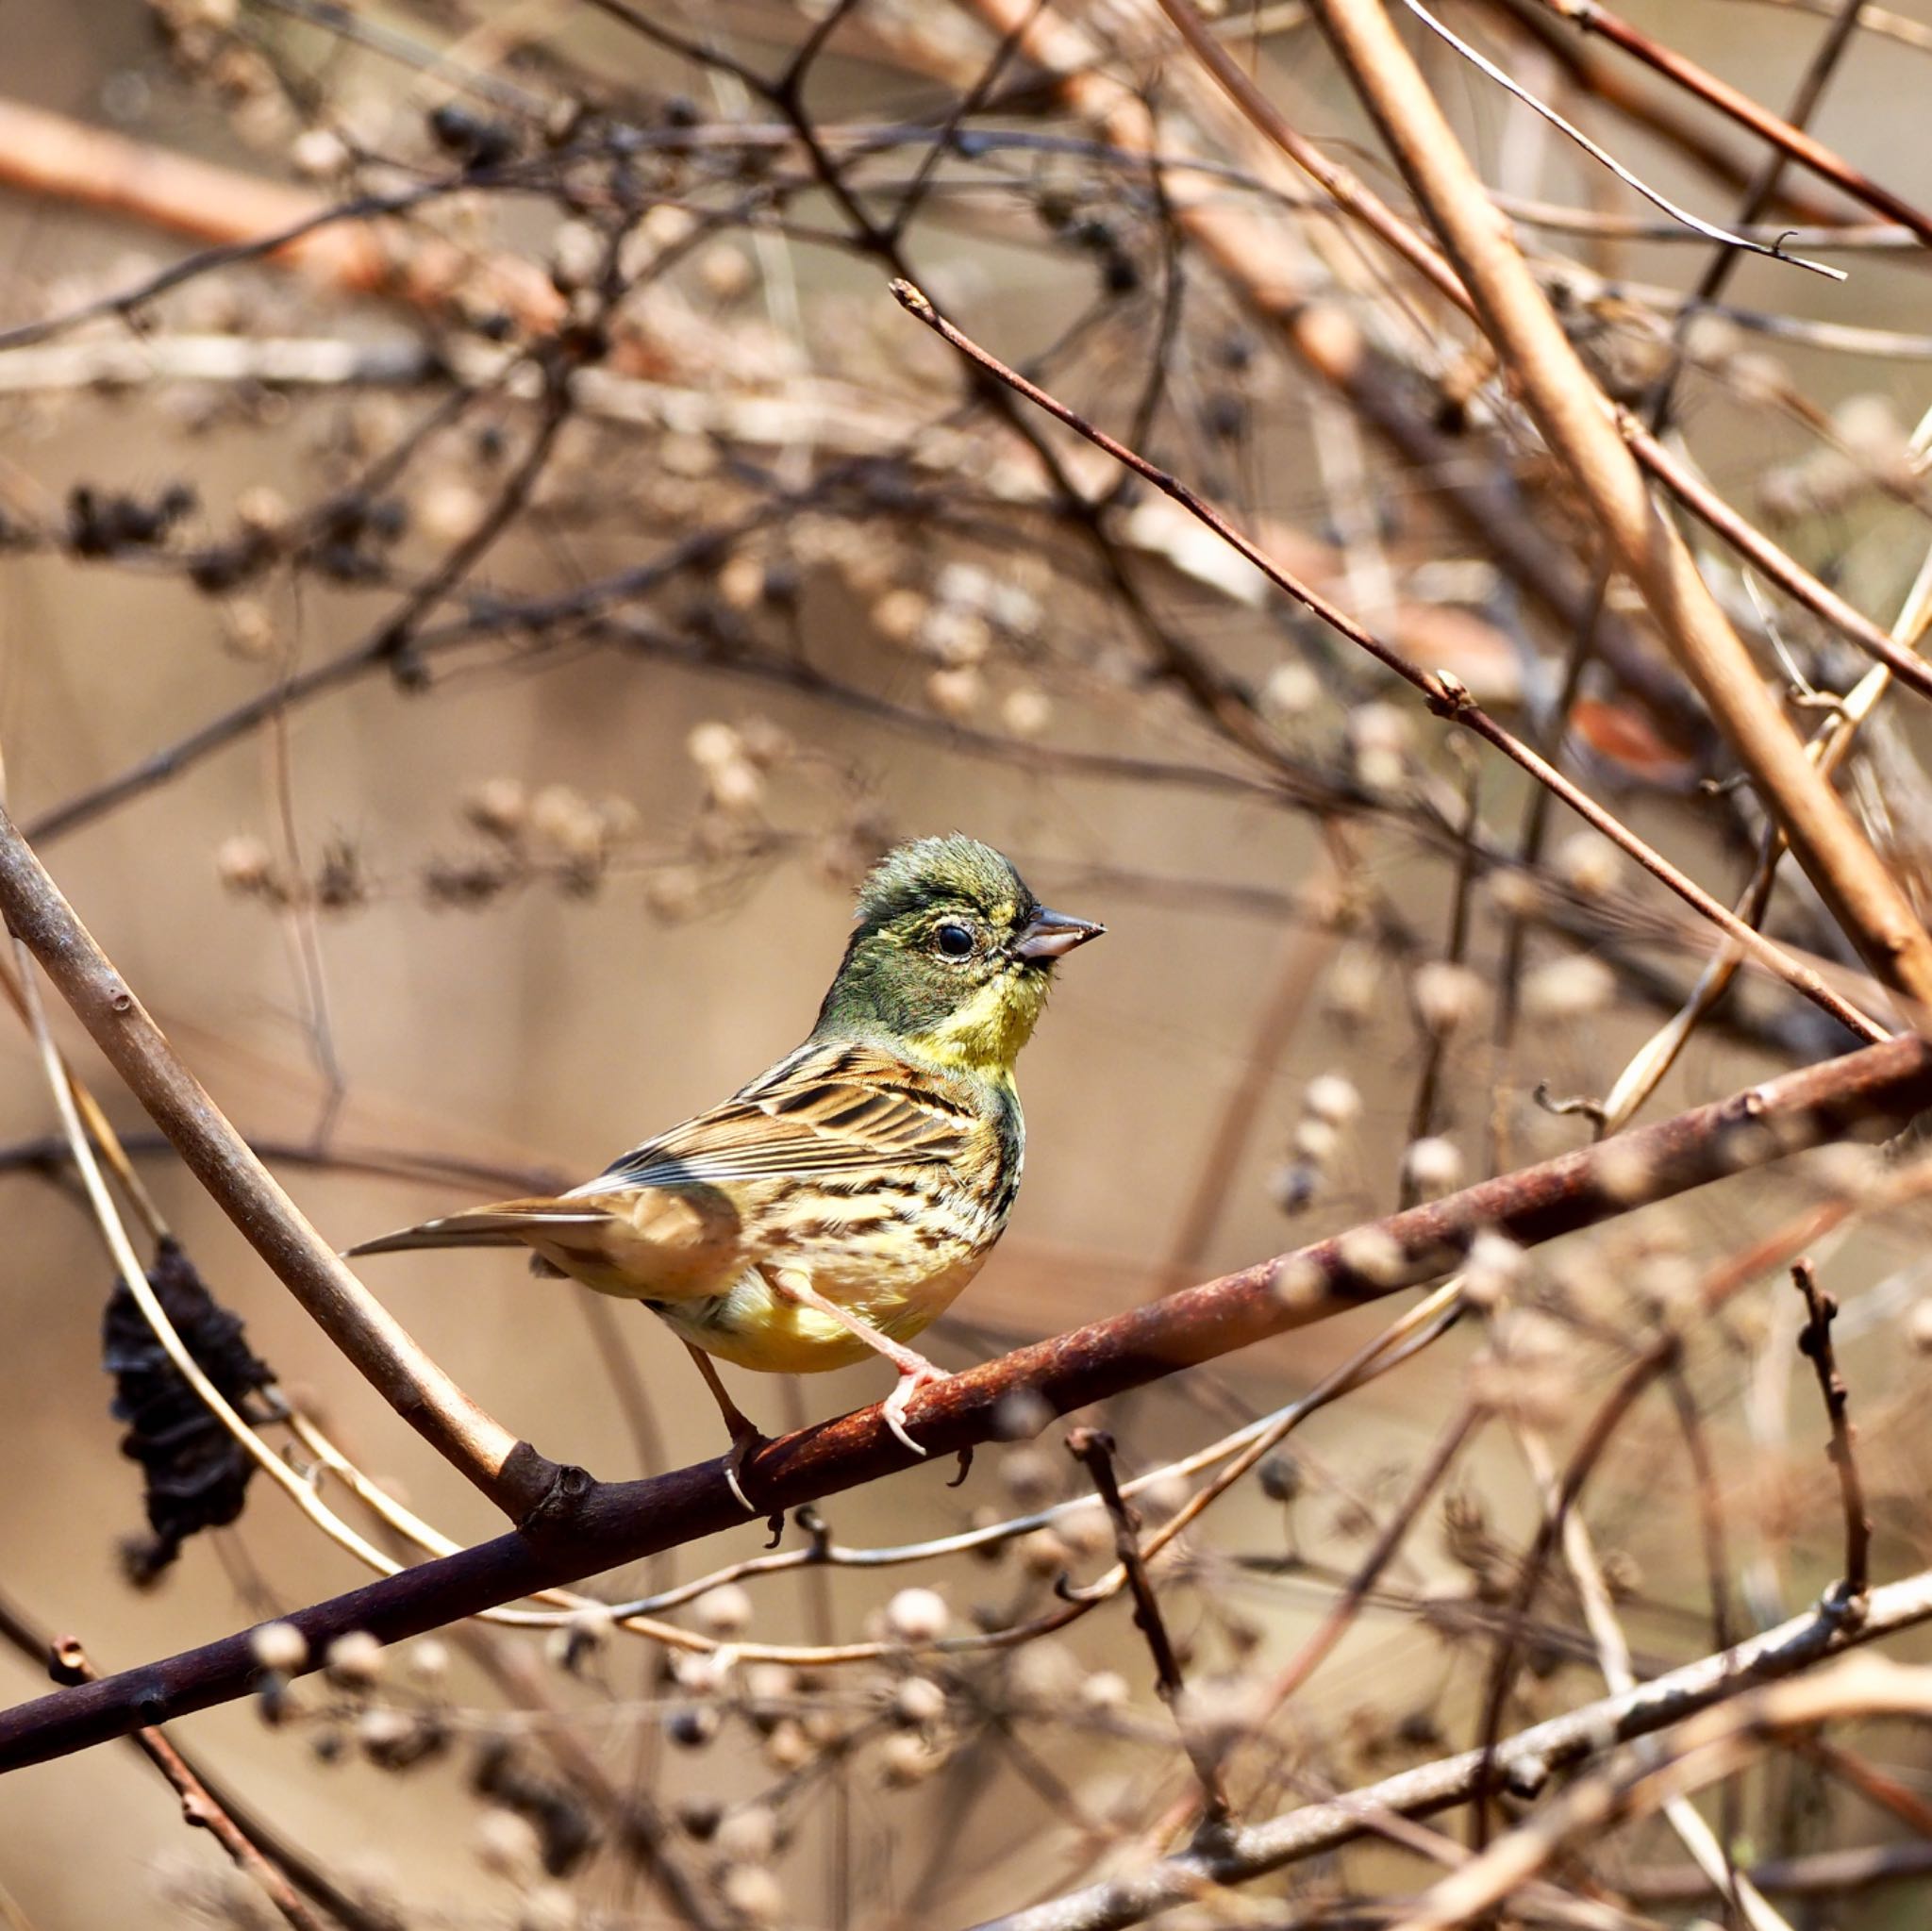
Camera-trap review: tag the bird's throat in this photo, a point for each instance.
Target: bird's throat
(984, 1034)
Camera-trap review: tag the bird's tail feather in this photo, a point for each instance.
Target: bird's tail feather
(511, 1224)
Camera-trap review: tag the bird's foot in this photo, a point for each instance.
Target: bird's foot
(745, 1442)
(915, 1373)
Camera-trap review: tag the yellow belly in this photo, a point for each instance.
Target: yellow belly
(756, 1326)
(752, 1324)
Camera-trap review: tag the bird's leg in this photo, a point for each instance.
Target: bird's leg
(745, 1434)
(915, 1371)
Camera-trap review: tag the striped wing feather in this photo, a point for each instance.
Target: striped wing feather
(832, 1108)
(669, 1213)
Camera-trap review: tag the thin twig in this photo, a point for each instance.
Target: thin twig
(199, 1807)
(1814, 1342)
(1709, 229)
(1092, 1448)
(1444, 694)
(1801, 147)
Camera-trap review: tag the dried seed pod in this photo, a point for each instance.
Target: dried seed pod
(279, 1646)
(725, 1611)
(918, 1616)
(355, 1659)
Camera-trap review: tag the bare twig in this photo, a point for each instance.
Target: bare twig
(1814, 1344)
(198, 1806)
(1708, 1746)
(1696, 223)
(1801, 147)
(1092, 1448)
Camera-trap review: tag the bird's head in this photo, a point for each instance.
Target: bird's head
(952, 956)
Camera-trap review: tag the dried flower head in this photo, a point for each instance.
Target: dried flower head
(917, 1616)
(1447, 997)
(725, 1611)
(1568, 989)
(1334, 1099)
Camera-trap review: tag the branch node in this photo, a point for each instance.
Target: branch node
(558, 1504)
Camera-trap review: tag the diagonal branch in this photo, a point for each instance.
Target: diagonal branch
(1801, 147)
(1446, 694)
(583, 1527)
(509, 1471)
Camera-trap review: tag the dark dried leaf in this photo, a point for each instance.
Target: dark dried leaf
(197, 1473)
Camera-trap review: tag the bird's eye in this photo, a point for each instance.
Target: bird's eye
(955, 941)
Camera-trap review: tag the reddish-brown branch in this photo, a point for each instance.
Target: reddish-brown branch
(585, 1526)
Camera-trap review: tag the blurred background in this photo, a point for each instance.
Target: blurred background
(460, 668)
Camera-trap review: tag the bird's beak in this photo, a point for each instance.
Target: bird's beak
(1050, 934)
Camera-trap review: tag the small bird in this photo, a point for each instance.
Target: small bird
(838, 1204)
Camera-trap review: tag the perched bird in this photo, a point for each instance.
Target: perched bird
(838, 1204)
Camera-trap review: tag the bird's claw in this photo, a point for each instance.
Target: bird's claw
(744, 1446)
(911, 1381)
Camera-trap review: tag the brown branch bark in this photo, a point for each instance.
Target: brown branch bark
(509, 1471)
(1569, 409)
(1814, 1344)
(1364, 206)
(584, 1527)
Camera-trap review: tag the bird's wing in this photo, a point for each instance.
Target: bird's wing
(828, 1109)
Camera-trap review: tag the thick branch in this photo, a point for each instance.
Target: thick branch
(509, 1471)
(589, 1526)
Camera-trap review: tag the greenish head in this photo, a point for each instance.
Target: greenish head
(952, 958)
